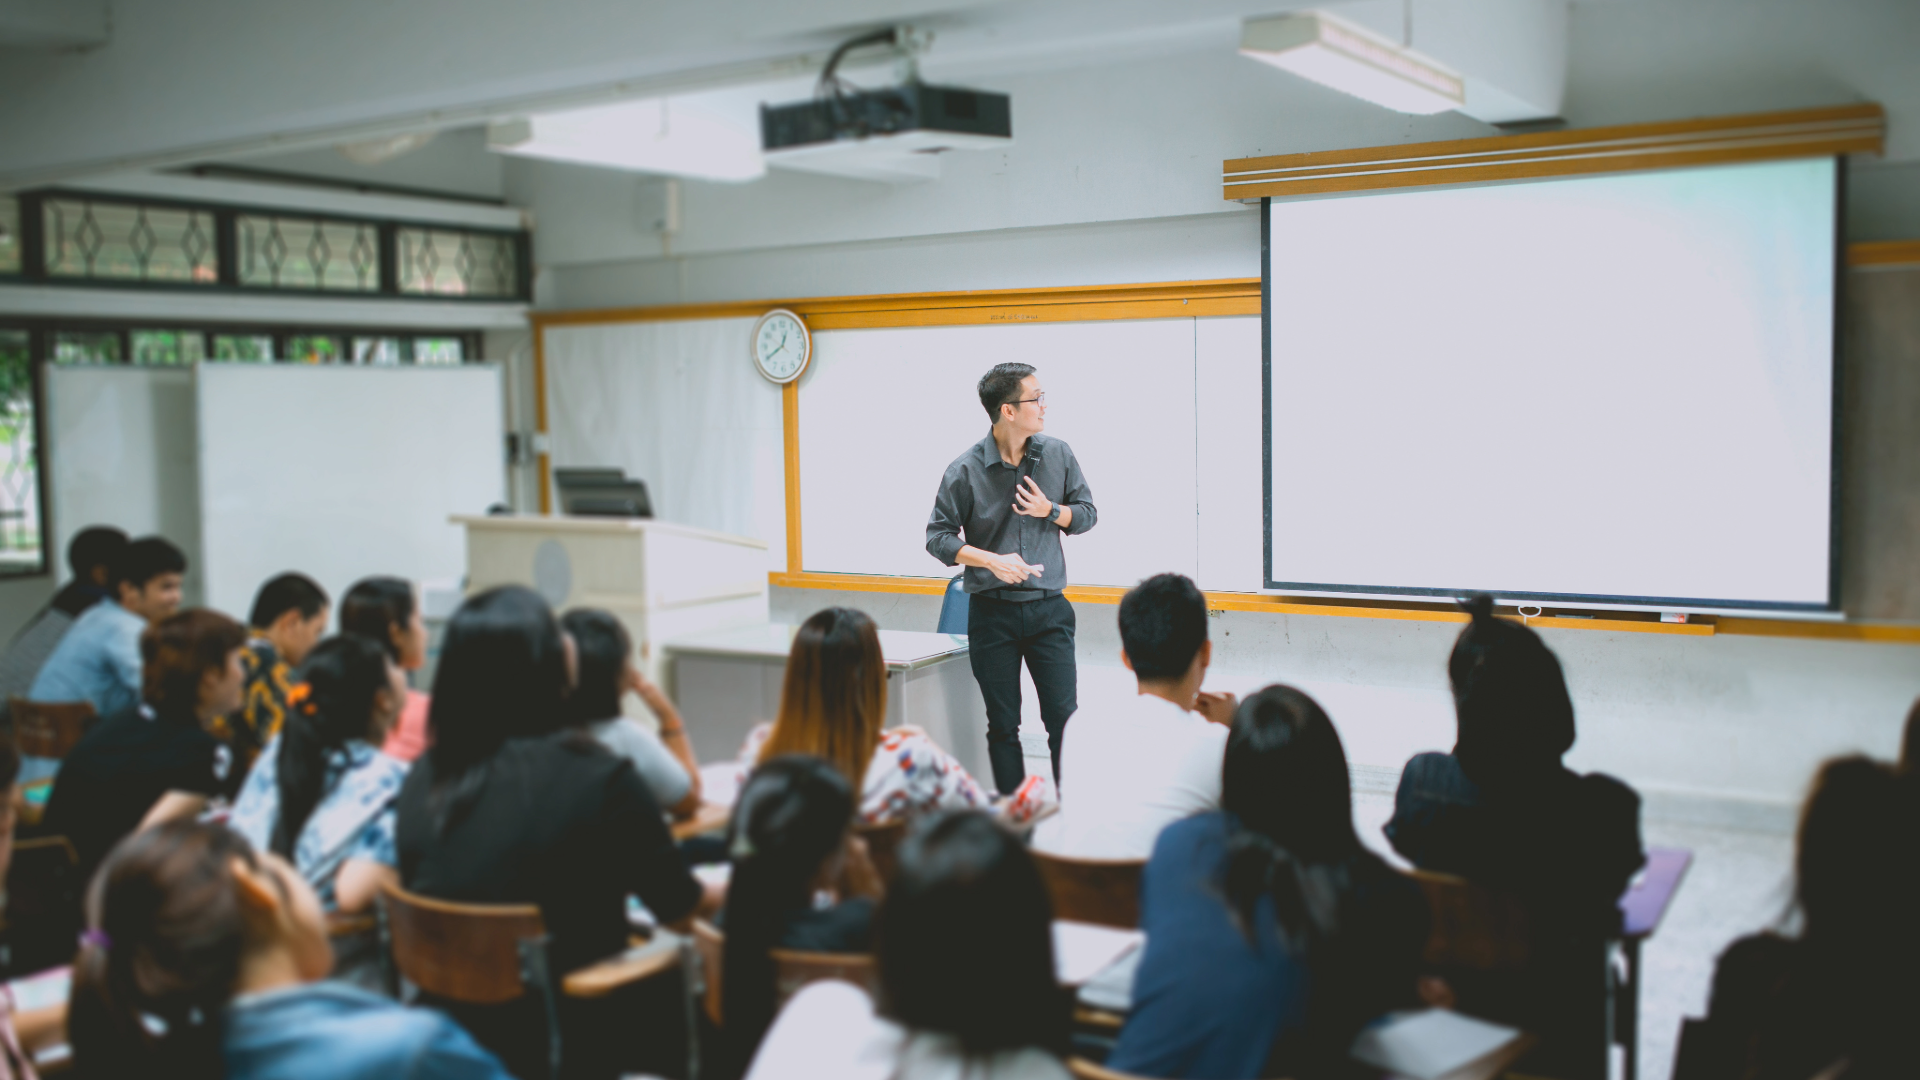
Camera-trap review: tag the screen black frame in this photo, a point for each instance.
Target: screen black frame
(1834, 534)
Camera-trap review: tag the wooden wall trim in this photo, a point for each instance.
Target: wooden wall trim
(1846, 129)
(1884, 254)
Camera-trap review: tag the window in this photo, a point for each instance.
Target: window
(455, 262)
(313, 349)
(168, 348)
(243, 348)
(86, 347)
(380, 351)
(9, 236)
(438, 350)
(21, 550)
(129, 242)
(307, 253)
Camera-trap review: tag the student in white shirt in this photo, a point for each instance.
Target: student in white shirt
(964, 942)
(1130, 771)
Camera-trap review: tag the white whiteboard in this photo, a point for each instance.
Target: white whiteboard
(883, 412)
(342, 472)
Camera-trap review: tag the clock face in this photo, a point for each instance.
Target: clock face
(781, 346)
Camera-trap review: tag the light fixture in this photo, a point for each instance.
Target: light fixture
(681, 136)
(1336, 53)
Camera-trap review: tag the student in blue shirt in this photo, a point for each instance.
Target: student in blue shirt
(99, 658)
(202, 957)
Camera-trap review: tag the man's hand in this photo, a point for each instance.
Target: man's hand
(1028, 500)
(1218, 708)
(1011, 569)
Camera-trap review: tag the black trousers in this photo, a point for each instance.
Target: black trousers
(1002, 633)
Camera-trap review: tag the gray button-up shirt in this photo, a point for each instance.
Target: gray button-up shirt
(976, 498)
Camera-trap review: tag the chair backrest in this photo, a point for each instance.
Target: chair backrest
(953, 607)
(1474, 928)
(1100, 891)
(883, 845)
(49, 729)
(793, 970)
(471, 953)
(710, 945)
(1082, 1069)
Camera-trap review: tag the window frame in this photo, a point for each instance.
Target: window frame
(36, 390)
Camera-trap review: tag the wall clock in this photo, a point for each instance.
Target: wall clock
(781, 346)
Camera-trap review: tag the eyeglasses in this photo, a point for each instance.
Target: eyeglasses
(1039, 399)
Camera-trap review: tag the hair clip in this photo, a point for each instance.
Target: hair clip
(96, 938)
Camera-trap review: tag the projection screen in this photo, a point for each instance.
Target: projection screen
(1614, 390)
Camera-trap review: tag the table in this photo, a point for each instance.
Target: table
(727, 681)
(1641, 908)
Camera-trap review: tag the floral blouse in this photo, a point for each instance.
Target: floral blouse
(909, 772)
(354, 819)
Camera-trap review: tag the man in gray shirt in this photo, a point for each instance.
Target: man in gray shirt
(1012, 494)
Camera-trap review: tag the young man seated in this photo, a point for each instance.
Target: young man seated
(289, 617)
(99, 659)
(1128, 772)
(91, 554)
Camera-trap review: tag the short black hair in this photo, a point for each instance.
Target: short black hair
(1163, 623)
(1001, 385)
(603, 648)
(288, 592)
(374, 607)
(145, 559)
(95, 545)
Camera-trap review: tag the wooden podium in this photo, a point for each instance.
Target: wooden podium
(661, 580)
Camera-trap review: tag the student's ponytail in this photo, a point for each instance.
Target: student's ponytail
(331, 704)
(160, 955)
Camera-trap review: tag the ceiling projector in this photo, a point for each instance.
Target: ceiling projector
(892, 135)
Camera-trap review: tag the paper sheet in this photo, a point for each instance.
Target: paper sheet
(1430, 1044)
(1080, 949)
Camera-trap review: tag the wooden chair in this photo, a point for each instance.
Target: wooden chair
(1474, 927)
(1082, 1069)
(43, 904)
(792, 969)
(49, 729)
(883, 845)
(493, 954)
(710, 945)
(1102, 891)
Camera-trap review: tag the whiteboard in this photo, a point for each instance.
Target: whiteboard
(342, 472)
(883, 412)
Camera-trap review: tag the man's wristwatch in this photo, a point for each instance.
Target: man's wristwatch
(1054, 517)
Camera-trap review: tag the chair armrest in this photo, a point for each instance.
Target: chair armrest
(635, 965)
(339, 925)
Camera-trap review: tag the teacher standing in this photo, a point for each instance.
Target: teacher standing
(1012, 495)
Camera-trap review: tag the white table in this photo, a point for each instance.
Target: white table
(727, 681)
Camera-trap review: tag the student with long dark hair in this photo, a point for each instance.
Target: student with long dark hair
(322, 796)
(1503, 811)
(1842, 989)
(202, 958)
(965, 949)
(792, 841)
(833, 705)
(387, 609)
(1273, 934)
(604, 654)
(155, 762)
(509, 806)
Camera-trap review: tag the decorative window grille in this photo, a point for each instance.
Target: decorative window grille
(282, 252)
(9, 235)
(458, 262)
(116, 241)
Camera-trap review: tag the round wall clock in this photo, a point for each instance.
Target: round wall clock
(781, 346)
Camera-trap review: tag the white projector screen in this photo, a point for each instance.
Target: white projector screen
(1614, 390)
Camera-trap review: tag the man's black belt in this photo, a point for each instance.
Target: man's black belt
(1020, 596)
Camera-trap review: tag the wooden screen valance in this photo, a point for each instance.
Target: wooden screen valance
(1847, 129)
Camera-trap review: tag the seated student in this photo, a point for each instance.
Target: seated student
(91, 553)
(1910, 740)
(832, 705)
(1130, 771)
(1502, 810)
(1842, 989)
(605, 663)
(203, 958)
(322, 794)
(289, 616)
(22, 1033)
(1273, 935)
(965, 950)
(154, 762)
(386, 610)
(99, 659)
(792, 843)
(508, 806)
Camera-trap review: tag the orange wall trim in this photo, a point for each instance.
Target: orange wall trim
(1884, 254)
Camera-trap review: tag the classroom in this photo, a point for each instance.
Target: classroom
(501, 574)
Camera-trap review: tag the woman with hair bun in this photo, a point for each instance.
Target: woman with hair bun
(322, 795)
(203, 958)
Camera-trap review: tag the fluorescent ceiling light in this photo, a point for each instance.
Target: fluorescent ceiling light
(1339, 54)
(676, 136)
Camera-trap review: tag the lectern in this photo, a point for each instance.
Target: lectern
(661, 580)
